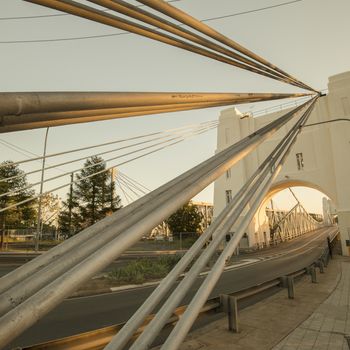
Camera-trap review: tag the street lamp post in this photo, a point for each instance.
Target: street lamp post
(328, 121)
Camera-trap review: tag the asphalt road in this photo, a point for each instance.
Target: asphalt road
(87, 313)
(9, 261)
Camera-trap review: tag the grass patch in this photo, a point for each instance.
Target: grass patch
(142, 270)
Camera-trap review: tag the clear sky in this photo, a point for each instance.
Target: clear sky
(308, 39)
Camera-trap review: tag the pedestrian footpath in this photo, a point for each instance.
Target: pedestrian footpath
(317, 318)
(329, 326)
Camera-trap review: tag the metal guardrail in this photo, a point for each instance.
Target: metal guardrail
(99, 338)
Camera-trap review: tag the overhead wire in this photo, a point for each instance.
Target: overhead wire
(99, 16)
(149, 18)
(123, 33)
(183, 17)
(58, 14)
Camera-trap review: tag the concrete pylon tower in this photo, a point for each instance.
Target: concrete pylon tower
(320, 159)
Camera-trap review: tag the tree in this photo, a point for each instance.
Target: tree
(91, 199)
(50, 206)
(24, 215)
(186, 219)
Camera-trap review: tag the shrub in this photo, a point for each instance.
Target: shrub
(142, 270)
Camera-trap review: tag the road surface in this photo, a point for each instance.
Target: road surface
(82, 314)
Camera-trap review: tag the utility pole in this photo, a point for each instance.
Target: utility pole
(70, 204)
(112, 179)
(38, 229)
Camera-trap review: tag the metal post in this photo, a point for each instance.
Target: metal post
(320, 266)
(313, 274)
(290, 286)
(229, 306)
(70, 205)
(329, 244)
(38, 229)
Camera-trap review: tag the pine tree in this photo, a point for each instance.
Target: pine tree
(91, 199)
(24, 215)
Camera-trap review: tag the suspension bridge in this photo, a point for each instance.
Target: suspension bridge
(33, 290)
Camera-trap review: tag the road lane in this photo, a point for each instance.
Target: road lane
(87, 313)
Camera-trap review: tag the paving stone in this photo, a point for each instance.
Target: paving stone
(316, 319)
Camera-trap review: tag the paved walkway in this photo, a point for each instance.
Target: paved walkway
(318, 318)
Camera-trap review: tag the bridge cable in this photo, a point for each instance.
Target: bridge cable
(182, 327)
(121, 23)
(31, 110)
(172, 134)
(27, 200)
(66, 267)
(229, 214)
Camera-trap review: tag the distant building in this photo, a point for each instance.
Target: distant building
(207, 210)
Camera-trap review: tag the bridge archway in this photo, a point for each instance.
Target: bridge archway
(259, 230)
(319, 158)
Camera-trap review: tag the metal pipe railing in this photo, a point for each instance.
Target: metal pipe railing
(136, 320)
(161, 23)
(115, 234)
(233, 211)
(99, 16)
(29, 110)
(183, 326)
(192, 22)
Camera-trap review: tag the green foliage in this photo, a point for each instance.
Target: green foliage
(23, 215)
(92, 198)
(143, 270)
(186, 219)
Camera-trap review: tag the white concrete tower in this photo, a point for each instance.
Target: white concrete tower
(320, 158)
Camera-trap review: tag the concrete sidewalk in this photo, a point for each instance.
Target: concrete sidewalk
(318, 318)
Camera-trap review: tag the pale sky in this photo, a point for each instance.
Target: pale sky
(308, 39)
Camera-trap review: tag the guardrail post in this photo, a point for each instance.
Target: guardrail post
(320, 265)
(313, 274)
(288, 282)
(290, 286)
(326, 259)
(229, 306)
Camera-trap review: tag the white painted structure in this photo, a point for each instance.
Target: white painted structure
(320, 159)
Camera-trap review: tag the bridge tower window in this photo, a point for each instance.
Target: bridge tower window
(228, 173)
(228, 196)
(300, 161)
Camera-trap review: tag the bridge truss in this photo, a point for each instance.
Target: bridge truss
(31, 291)
(285, 226)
